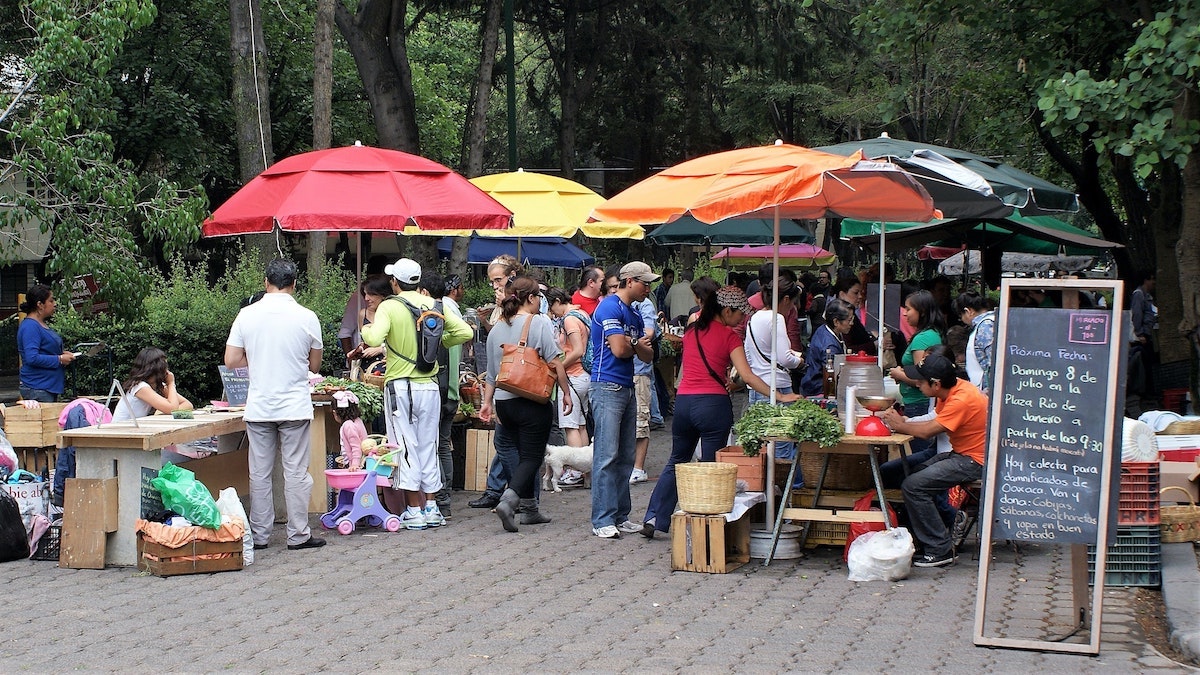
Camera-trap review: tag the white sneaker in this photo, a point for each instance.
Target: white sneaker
(629, 527)
(433, 517)
(413, 520)
(607, 532)
(571, 477)
(638, 476)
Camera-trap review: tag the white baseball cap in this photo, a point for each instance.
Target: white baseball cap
(405, 270)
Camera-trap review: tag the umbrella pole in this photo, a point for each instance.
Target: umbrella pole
(774, 313)
(882, 248)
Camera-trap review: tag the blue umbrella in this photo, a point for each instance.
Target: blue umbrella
(539, 251)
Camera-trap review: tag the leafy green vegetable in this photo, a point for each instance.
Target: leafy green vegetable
(803, 421)
(370, 399)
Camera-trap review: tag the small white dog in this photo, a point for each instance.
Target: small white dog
(559, 456)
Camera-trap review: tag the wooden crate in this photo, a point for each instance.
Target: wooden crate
(170, 562)
(709, 543)
(35, 460)
(753, 470)
(480, 450)
(32, 428)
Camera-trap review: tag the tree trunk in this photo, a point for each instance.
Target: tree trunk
(1183, 334)
(322, 112)
(476, 136)
(251, 100)
(375, 35)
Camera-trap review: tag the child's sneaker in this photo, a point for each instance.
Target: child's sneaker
(433, 516)
(413, 520)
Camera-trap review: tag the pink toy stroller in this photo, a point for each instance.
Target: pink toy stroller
(357, 497)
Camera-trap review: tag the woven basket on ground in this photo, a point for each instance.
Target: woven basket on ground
(846, 472)
(1182, 428)
(470, 389)
(706, 487)
(1179, 523)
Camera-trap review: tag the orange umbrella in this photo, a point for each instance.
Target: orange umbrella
(781, 181)
(774, 181)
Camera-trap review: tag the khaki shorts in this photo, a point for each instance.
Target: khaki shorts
(641, 386)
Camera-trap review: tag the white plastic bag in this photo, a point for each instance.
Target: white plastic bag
(881, 556)
(229, 505)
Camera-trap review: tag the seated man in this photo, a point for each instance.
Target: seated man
(962, 414)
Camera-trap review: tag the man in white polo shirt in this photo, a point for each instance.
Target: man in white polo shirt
(280, 342)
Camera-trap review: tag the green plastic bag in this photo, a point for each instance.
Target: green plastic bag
(188, 497)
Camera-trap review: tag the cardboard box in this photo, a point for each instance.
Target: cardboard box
(753, 470)
(1182, 475)
(172, 562)
(480, 450)
(709, 543)
(32, 427)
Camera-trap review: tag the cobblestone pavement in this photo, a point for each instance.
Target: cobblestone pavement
(469, 597)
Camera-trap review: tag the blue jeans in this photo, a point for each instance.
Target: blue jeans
(655, 407)
(42, 395)
(892, 473)
(614, 411)
(703, 418)
(64, 463)
(504, 463)
(916, 445)
(921, 489)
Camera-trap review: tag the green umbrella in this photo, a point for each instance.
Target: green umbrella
(1015, 188)
(1027, 234)
(732, 232)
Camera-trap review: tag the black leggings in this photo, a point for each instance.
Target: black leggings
(529, 423)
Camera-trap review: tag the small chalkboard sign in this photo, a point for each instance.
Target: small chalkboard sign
(151, 499)
(1050, 454)
(237, 384)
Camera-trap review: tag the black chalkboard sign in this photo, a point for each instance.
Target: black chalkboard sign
(237, 384)
(151, 499)
(1051, 415)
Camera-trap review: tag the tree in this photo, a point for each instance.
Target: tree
(97, 206)
(1146, 116)
(376, 34)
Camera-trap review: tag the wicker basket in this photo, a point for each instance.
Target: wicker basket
(1177, 523)
(846, 472)
(470, 389)
(706, 487)
(1182, 428)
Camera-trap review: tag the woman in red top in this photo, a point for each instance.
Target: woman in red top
(703, 409)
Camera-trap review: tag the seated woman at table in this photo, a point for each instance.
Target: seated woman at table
(150, 387)
(828, 340)
(703, 408)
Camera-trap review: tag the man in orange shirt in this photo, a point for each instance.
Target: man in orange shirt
(962, 415)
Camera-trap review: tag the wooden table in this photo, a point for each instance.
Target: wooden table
(849, 445)
(123, 451)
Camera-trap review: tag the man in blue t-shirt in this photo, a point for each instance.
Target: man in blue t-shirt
(617, 337)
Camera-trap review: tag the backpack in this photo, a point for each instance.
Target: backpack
(586, 359)
(430, 324)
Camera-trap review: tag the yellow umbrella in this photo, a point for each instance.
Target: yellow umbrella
(543, 206)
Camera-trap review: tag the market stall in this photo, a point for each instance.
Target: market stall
(129, 453)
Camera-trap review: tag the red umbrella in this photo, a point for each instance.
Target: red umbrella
(356, 188)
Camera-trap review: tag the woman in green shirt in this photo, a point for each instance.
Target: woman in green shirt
(922, 313)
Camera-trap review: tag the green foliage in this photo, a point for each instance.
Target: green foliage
(802, 421)
(189, 320)
(96, 204)
(1132, 114)
(478, 294)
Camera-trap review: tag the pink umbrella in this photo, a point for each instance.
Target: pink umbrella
(790, 255)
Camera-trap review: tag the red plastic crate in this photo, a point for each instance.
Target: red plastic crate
(1138, 510)
(1184, 455)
